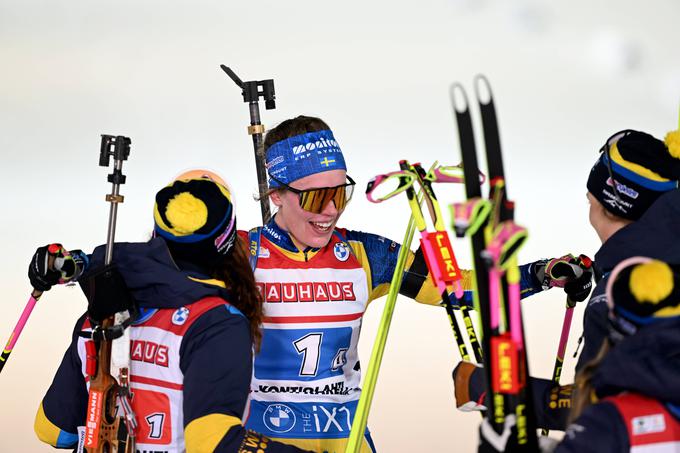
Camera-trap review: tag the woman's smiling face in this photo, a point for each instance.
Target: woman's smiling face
(306, 228)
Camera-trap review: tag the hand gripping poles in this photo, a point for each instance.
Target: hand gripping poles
(106, 430)
(57, 256)
(585, 263)
(252, 92)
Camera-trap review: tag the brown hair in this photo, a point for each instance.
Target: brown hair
(289, 128)
(584, 394)
(292, 127)
(237, 274)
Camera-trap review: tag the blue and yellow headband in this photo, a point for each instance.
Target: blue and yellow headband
(302, 155)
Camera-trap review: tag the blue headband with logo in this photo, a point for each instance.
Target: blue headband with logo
(303, 155)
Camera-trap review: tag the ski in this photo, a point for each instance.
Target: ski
(495, 241)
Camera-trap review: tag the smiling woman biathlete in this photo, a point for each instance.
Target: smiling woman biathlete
(317, 280)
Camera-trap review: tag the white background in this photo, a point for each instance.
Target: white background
(566, 74)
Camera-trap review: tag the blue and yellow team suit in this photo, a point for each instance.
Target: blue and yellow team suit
(306, 380)
(638, 387)
(191, 362)
(654, 235)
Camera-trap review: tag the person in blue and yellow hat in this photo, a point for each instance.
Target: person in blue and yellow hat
(192, 341)
(317, 280)
(635, 211)
(628, 397)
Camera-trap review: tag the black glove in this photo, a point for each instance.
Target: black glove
(107, 293)
(579, 289)
(573, 274)
(63, 267)
(42, 278)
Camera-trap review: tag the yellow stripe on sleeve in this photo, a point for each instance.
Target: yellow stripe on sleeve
(429, 293)
(203, 434)
(46, 431)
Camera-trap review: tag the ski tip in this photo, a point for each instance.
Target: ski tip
(483, 89)
(459, 99)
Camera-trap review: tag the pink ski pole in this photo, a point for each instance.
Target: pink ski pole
(35, 295)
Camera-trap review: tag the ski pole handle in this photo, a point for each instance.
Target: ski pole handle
(391, 184)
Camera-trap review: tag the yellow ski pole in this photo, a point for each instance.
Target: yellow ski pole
(356, 435)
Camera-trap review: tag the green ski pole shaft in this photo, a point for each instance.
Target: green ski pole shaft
(361, 417)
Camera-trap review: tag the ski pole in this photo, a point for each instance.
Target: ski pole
(405, 179)
(56, 257)
(513, 237)
(441, 235)
(14, 336)
(435, 258)
(495, 240)
(562, 347)
(361, 416)
(251, 94)
(583, 260)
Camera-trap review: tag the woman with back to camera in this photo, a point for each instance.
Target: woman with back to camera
(198, 315)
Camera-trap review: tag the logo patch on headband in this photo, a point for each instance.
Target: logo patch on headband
(319, 145)
(302, 155)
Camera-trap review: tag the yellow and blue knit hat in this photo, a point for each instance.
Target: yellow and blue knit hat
(634, 170)
(196, 217)
(643, 290)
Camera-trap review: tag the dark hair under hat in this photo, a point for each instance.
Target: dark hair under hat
(634, 170)
(196, 218)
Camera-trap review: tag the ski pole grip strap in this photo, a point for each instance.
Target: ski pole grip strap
(469, 216)
(440, 258)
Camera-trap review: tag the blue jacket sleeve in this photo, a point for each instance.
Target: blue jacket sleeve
(599, 429)
(64, 406)
(528, 281)
(381, 252)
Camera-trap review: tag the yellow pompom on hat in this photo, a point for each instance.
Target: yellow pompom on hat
(644, 292)
(672, 141)
(196, 218)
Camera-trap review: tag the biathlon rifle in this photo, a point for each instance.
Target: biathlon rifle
(252, 92)
(108, 349)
